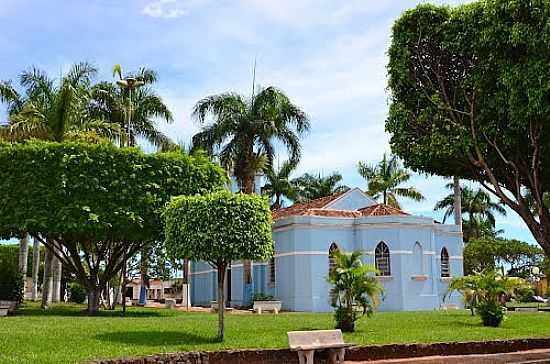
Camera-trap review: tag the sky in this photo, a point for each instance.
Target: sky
(329, 57)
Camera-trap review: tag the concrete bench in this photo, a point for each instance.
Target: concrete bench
(170, 303)
(307, 342)
(526, 309)
(260, 306)
(4, 310)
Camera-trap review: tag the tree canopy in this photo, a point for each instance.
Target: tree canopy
(218, 228)
(309, 187)
(470, 98)
(98, 202)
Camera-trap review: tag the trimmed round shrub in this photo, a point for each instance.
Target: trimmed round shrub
(77, 293)
(491, 314)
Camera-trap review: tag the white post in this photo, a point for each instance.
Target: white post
(35, 268)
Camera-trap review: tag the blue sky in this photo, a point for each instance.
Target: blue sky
(329, 56)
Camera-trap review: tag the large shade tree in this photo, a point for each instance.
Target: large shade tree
(243, 131)
(385, 179)
(219, 228)
(469, 98)
(309, 186)
(97, 203)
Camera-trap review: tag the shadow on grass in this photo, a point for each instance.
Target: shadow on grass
(80, 311)
(155, 338)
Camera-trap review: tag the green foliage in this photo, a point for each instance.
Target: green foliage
(101, 203)
(309, 187)
(218, 228)
(77, 293)
(469, 98)
(11, 283)
(262, 297)
(278, 184)
(355, 289)
(245, 130)
(9, 254)
(384, 180)
(486, 292)
(516, 257)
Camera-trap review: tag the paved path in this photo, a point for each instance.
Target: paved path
(521, 357)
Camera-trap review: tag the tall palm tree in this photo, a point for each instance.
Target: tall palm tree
(385, 178)
(278, 184)
(140, 106)
(475, 203)
(244, 130)
(309, 187)
(52, 110)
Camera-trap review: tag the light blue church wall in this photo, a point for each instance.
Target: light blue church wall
(301, 259)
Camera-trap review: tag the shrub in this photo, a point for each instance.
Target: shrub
(491, 314)
(77, 293)
(262, 297)
(355, 291)
(11, 283)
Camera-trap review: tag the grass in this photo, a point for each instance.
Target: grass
(65, 335)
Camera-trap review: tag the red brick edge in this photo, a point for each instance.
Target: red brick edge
(358, 353)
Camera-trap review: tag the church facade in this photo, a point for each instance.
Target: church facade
(416, 257)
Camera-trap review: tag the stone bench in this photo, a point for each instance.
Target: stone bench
(260, 306)
(170, 303)
(307, 342)
(4, 310)
(526, 309)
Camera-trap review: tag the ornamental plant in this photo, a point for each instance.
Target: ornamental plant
(486, 294)
(355, 290)
(100, 203)
(219, 228)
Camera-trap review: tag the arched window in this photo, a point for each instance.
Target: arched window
(382, 259)
(272, 271)
(418, 259)
(331, 262)
(445, 267)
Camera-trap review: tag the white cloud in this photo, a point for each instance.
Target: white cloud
(163, 9)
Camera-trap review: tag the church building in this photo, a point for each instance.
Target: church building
(416, 257)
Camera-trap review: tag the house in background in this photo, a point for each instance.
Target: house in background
(416, 256)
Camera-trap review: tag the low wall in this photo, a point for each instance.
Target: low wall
(359, 353)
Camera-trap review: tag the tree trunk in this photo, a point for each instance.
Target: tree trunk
(221, 300)
(48, 280)
(94, 294)
(457, 202)
(56, 277)
(35, 268)
(23, 256)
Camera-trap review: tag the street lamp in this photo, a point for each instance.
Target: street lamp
(130, 84)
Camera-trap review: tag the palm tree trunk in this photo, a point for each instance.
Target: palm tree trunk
(385, 193)
(457, 202)
(35, 268)
(23, 256)
(47, 282)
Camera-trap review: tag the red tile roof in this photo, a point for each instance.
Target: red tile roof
(317, 207)
(381, 210)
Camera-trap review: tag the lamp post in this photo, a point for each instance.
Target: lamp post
(130, 84)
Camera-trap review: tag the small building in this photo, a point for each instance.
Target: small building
(416, 257)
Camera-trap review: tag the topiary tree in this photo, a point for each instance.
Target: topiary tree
(469, 98)
(219, 228)
(99, 203)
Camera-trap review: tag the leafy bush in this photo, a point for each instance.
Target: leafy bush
(77, 293)
(11, 283)
(262, 297)
(355, 291)
(486, 293)
(491, 314)
(525, 295)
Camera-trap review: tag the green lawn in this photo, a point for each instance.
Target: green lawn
(65, 335)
